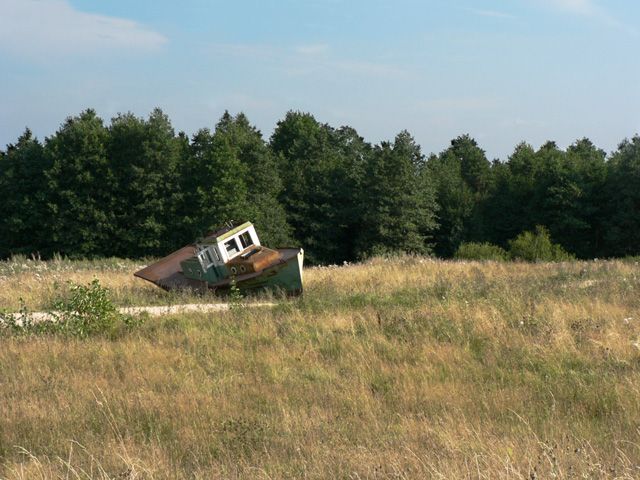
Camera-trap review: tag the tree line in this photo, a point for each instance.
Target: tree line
(136, 188)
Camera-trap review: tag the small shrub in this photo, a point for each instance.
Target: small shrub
(537, 247)
(86, 310)
(236, 298)
(631, 259)
(14, 323)
(481, 251)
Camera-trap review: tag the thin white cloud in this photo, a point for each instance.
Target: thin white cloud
(242, 102)
(592, 9)
(45, 28)
(313, 49)
(490, 13)
(306, 59)
(457, 103)
(242, 50)
(580, 7)
(367, 68)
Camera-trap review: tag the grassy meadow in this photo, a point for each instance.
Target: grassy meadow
(394, 368)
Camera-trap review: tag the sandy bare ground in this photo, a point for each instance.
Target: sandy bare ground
(157, 311)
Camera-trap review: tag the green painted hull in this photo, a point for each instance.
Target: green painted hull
(285, 276)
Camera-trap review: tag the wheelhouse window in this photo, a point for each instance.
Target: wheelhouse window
(232, 247)
(245, 240)
(208, 256)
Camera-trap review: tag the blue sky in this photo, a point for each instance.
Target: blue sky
(503, 71)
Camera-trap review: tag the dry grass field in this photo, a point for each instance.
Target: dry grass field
(394, 368)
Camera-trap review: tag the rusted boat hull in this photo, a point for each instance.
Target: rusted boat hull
(284, 274)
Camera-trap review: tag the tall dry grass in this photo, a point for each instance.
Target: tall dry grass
(35, 284)
(403, 368)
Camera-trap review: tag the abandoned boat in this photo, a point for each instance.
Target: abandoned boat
(227, 257)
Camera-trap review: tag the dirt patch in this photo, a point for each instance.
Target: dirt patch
(159, 311)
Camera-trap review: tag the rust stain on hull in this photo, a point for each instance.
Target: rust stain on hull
(167, 273)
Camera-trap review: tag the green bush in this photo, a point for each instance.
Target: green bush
(537, 247)
(481, 251)
(85, 310)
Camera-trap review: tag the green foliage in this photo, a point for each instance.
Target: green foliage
(462, 176)
(16, 323)
(566, 194)
(481, 251)
(81, 216)
(583, 232)
(509, 205)
(537, 247)
(622, 221)
(399, 208)
(474, 166)
(144, 157)
(236, 297)
(215, 189)
(261, 177)
(86, 310)
(23, 209)
(318, 186)
(560, 189)
(135, 188)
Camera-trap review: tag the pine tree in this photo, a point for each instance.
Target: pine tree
(623, 190)
(80, 208)
(262, 179)
(314, 173)
(400, 203)
(214, 181)
(23, 189)
(456, 202)
(144, 156)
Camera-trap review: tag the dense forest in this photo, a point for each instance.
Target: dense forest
(135, 188)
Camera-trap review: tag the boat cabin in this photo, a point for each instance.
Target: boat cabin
(220, 247)
(225, 253)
